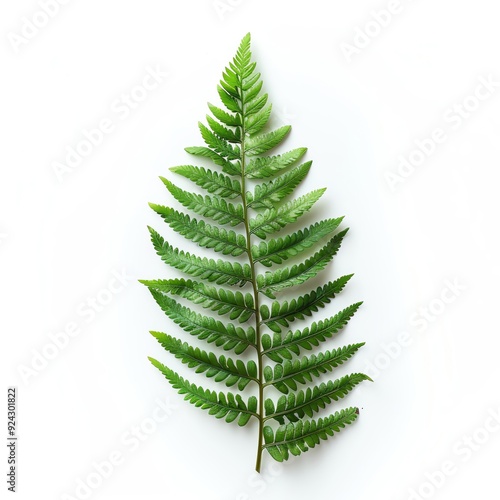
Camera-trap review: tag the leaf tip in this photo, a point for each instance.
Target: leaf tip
(164, 180)
(154, 362)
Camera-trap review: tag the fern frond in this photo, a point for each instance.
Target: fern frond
(233, 168)
(296, 405)
(275, 281)
(253, 107)
(262, 167)
(217, 209)
(230, 101)
(273, 219)
(250, 95)
(238, 142)
(269, 193)
(223, 132)
(297, 438)
(222, 369)
(247, 83)
(283, 313)
(229, 119)
(287, 374)
(218, 144)
(205, 235)
(243, 57)
(220, 300)
(277, 250)
(258, 144)
(220, 405)
(213, 182)
(257, 121)
(218, 271)
(280, 348)
(227, 336)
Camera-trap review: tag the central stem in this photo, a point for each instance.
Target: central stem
(248, 234)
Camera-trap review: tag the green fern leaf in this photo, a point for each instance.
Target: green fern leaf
(220, 300)
(258, 144)
(205, 235)
(221, 405)
(279, 348)
(286, 312)
(257, 121)
(247, 83)
(237, 318)
(225, 117)
(218, 144)
(256, 105)
(275, 281)
(269, 193)
(262, 167)
(220, 271)
(296, 405)
(229, 167)
(297, 438)
(252, 87)
(227, 336)
(217, 209)
(272, 220)
(222, 368)
(213, 182)
(230, 101)
(224, 132)
(286, 375)
(276, 251)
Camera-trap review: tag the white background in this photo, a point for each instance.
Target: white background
(63, 237)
